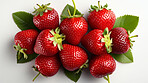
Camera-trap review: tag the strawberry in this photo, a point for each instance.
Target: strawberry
(101, 18)
(24, 42)
(121, 40)
(47, 65)
(74, 27)
(101, 66)
(97, 42)
(46, 17)
(48, 42)
(72, 57)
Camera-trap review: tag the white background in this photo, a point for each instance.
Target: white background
(11, 72)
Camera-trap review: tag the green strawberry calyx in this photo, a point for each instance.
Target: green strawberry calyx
(85, 65)
(57, 38)
(99, 7)
(130, 38)
(42, 8)
(107, 40)
(20, 51)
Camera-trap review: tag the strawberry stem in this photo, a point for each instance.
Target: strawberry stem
(99, 5)
(74, 8)
(108, 78)
(105, 78)
(36, 76)
(69, 12)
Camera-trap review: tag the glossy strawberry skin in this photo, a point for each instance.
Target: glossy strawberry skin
(49, 20)
(47, 65)
(102, 65)
(92, 42)
(102, 19)
(121, 42)
(43, 45)
(74, 29)
(72, 57)
(26, 39)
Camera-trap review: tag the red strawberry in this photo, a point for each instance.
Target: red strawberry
(48, 42)
(24, 42)
(46, 17)
(96, 42)
(46, 65)
(101, 18)
(121, 40)
(72, 57)
(102, 65)
(74, 27)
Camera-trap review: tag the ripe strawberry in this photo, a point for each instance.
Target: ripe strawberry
(24, 42)
(121, 40)
(101, 18)
(72, 57)
(48, 42)
(46, 17)
(74, 27)
(47, 65)
(102, 65)
(97, 42)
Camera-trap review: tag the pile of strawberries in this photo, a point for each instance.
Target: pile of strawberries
(100, 41)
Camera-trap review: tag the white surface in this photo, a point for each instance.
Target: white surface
(11, 72)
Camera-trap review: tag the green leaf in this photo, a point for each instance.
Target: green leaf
(23, 60)
(71, 9)
(24, 20)
(124, 58)
(72, 75)
(129, 22)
